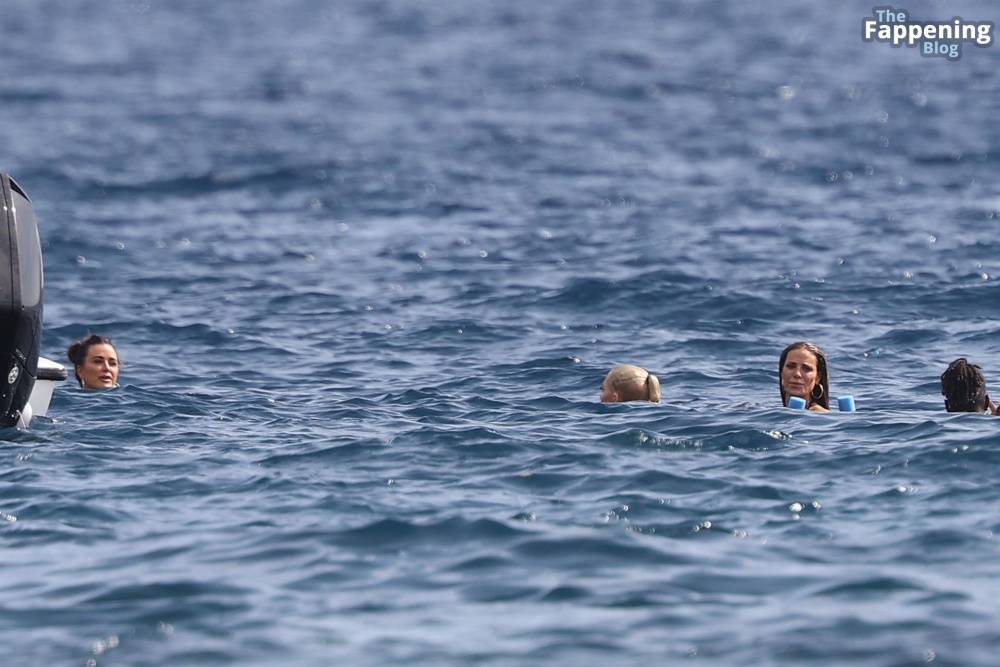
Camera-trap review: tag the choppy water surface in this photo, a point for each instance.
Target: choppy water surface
(367, 263)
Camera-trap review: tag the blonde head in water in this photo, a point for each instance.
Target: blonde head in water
(630, 383)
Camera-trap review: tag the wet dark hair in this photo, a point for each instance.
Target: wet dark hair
(822, 382)
(964, 387)
(78, 349)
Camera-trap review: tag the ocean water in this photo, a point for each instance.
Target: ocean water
(366, 264)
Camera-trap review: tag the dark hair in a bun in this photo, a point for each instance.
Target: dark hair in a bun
(78, 349)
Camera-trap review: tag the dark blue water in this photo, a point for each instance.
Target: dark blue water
(367, 263)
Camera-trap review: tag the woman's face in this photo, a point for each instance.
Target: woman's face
(99, 369)
(800, 374)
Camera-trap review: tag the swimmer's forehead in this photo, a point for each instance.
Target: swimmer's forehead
(101, 350)
(801, 355)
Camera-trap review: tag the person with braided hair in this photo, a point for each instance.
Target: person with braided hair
(964, 388)
(630, 383)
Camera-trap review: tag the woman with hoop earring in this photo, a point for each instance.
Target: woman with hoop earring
(802, 371)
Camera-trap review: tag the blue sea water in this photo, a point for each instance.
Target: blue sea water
(366, 264)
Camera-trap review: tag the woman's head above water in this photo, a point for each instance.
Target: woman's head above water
(802, 371)
(630, 383)
(95, 362)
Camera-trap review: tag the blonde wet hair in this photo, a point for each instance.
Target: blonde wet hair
(630, 383)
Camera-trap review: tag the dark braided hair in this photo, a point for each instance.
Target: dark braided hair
(964, 387)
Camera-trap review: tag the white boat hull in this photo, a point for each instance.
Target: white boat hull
(50, 374)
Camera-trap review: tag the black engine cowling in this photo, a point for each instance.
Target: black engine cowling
(21, 286)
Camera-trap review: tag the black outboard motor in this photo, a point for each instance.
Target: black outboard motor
(21, 286)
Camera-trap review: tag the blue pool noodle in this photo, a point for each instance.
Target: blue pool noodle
(796, 403)
(845, 403)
